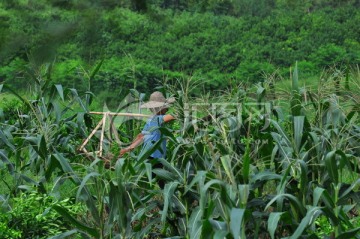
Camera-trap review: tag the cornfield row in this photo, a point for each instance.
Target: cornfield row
(254, 169)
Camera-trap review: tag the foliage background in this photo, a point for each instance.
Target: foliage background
(143, 42)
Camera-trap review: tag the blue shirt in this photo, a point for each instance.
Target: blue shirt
(152, 135)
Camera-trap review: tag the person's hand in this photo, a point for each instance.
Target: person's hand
(123, 151)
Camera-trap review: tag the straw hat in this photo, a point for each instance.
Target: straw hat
(157, 100)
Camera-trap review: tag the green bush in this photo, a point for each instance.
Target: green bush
(13, 73)
(70, 73)
(254, 71)
(10, 107)
(5, 231)
(329, 55)
(32, 216)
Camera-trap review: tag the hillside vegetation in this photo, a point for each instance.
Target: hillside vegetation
(144, 42)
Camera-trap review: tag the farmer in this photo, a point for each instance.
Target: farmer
(151, 134)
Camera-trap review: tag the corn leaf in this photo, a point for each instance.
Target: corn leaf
(273, 222)
(63, 212)
(195, 224)
(236, 222)
(168, 192)
(309, 218)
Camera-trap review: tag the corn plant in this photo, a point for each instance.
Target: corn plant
(249, 168)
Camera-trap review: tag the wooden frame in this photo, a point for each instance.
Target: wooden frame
(107, 116)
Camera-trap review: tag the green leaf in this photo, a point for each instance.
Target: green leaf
(331, 166)
(64, 234)
(295, 79)
(246, 161)
(96, 69)
(303, 178)
(350, 189)
(200, 175)
(211, 183)
(200, 149)
(317, 195)
(327, 199)
(166, 132)
(143, 210)
(273, 221)
(148, 169)
(6, 160)
(296, 203)
(172, 169)
(164, 174)
(236, 222)
(207, 231)
(78, 99)
(80, 192)
(168, 192)
(89, 97)
(147, 150)
(265, 176)
(6, 141)
(178, 204)
(298, 131)
(295, 101)
(42, 148)
(23, 100)
(329, 213)
(220, 234)
(226, 163)
(218, 225)
(309, 218)
(282, 133)
(151, 224)
(349, 234)
(118, 205)
(244, 191)
(195, 224)
(84, 195)
(66, 168)
(51, 166)
(260, 92)
(343, 159)
(60, 91)
(63, 212)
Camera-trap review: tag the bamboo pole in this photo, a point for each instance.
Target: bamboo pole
(102, 132)
(120, 114)
(92, 133)
(102, 123)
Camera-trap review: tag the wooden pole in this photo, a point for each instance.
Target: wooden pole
(102, 123)
(120, 114)
(102, 132)
(92, 133)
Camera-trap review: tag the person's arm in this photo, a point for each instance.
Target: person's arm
(138, 140)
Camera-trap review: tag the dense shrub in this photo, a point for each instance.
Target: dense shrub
(31, 216)
(168, 39)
